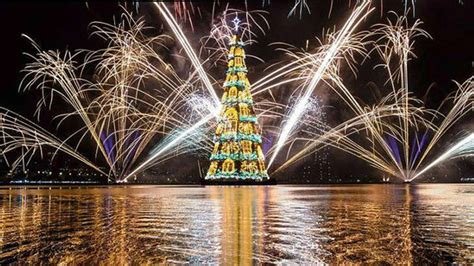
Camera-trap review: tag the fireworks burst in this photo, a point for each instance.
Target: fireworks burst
(118, 112)
(134, 127)
(328, 56)
(465, 147)
(400, 132)
(299, 7)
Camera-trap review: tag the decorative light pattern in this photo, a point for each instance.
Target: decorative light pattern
(237, 153)
(236, 21)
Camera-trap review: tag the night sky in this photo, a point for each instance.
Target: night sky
(60, 26)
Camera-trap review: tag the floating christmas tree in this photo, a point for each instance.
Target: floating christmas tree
(237, 153)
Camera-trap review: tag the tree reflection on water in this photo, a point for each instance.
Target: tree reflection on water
(393, 224)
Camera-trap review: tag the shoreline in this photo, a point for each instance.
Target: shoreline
(119, 185)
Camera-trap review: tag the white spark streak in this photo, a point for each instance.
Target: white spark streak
(354, 20)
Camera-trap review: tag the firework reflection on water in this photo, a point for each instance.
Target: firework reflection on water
(304, 225)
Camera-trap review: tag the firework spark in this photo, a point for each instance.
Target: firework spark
(464, 147)
(181, 37)
(352, 22)
(396, 142)
(123, 116)
(120, 115)
(299, 6)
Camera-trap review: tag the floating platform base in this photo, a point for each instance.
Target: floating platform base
(233, 182)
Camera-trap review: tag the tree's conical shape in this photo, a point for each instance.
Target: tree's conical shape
(237, 153)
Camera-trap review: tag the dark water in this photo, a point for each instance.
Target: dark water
(304, 225)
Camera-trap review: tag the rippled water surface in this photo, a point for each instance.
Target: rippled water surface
(146, 224)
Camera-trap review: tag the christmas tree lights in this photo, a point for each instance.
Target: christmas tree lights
(237, 153)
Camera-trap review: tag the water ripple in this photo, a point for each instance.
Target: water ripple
(418, 224)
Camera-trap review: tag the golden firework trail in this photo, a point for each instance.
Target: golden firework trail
(185, 133)
(189, 50)
(464, 147)
(352, 22)
(20, 133)
(118, 114)
(109, 92)
(404, 119)
(299, 6)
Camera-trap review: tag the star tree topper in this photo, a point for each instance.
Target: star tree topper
(236, 21)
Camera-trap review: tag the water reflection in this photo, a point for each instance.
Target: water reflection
(239, 225)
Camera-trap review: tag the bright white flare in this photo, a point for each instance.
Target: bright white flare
(354, 20)
(465, 145)
(185, 134)
(188, 49)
